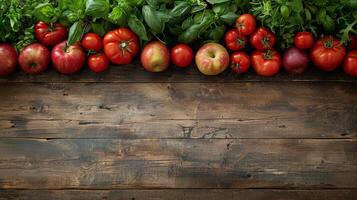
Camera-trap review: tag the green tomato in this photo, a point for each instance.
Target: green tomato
(284, 11)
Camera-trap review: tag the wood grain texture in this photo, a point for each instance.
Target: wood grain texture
(135, 74)
(181, 110)
(179, 194)
(172, 163)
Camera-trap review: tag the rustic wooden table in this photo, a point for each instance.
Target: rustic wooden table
(128, 134)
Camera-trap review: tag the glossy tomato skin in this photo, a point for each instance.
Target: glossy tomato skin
(182, 55)
(328, 53)
(98, 63)
(68, 59)
(240, 62)
(263, 39)
(234, 40)
(304, 40)
(350, 65)
(121, 46)
(8, 59)
(246, 24)
(266, 63)
(34, 59)
(50, 35)
(92, 42)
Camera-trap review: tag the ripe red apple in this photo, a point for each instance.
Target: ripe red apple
(212, 59)
(68, 59)
(8, 59)
(155, 57)
(34, 59)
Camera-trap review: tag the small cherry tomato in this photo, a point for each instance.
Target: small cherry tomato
(266, 63)
(182, 55)
(234, 40)
(350, 65)
(240, 62)
(92, 42)
(263, 39)
(98, 63)
(304, 40)
(246, 24)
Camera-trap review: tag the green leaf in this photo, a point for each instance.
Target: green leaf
(97, 8)
(229, 18)
(98, 28)
(152, 20)
(138, 27)
(76, 32)
(45, 12)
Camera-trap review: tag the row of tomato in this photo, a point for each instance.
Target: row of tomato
(121, 46)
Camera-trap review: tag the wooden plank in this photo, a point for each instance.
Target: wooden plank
(134, 73)
(181, 110)
(179, 194)
(172, 163)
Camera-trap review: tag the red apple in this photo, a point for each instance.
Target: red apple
(212, 59)
(155, 57)
(34, 59)
(68, 59)
(8, 59)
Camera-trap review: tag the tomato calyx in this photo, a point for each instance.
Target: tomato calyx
(266, 41)
(268, 55)
(328, 43)
(240, 42)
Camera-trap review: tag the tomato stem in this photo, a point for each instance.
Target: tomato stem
(268, 55)
(328, 43)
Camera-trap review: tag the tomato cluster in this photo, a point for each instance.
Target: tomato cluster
(121, 46)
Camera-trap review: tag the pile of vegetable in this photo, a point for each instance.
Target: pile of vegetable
(265, 34)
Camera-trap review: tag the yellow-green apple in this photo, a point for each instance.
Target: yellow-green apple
(155, 57)
(212, 59)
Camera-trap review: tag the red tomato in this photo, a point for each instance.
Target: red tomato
(353, 44)
(263, 39)
(240, 62)
(350, 65)
(98, 63)
(234, 40)
(304, 40)
(92, 42)
(68, 59)
(246, 24)
(328, 53)
(8, 59)
(50, 35)
(266, 63)
(182, 55)
(121, 46)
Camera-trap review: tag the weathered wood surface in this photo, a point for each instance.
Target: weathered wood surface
(178, 135)
(178, 110)
(172, 163)
(180, 194)
(136, 74)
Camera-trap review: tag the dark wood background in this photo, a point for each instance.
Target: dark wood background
(178, 135)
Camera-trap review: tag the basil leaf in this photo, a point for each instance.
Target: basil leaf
(97, 8)
(152, 20)
(138, 27)
(75, 33)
